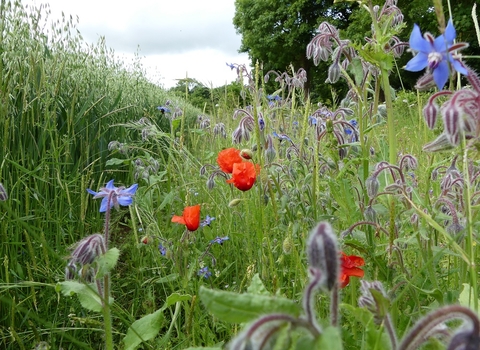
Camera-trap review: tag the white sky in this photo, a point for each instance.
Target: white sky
(173, 37)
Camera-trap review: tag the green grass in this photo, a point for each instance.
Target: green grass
(63, 104)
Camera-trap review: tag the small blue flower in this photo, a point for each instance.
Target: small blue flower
(219, 240)
(204, 272)
(274, 98)
(434, 54)
(162, 249)
(312, 120)
(231, 65)
(207, 221)
(163, 109)
(281, 137)
(353, 123)
(121, 195)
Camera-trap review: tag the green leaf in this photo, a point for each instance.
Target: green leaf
(107, 262)
(176, 123)
(175, 298)
(330, 339)
(257, 286)
(143, 329)
(240, 308)
(148, 326)
(466, 296)
(87, 294)
(116, 161)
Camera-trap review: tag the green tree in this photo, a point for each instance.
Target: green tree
(277, 32)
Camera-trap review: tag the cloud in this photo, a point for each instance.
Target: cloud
(172, 38)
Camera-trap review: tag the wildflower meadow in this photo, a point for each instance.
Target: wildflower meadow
(131, 219)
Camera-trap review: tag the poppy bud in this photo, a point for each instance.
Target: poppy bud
(246, 154)
(234, 202)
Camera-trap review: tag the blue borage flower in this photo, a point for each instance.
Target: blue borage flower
(219, 240)
(204, 272)
(121, 196)
(207, 221)
(162, 249)
(163, 109)
(274, 98)
(435, 54)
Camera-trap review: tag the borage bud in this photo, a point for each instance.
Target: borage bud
(430, 112)
(372, 184)
(370, 214)
(452, 123)
(334, 73)
(3, 193)
(323, 254)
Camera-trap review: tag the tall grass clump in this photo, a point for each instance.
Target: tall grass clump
(60, 102)
(279, 223)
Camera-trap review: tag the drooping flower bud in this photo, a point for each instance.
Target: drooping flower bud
(323, 254)
(452, 123)
(430, 112)
(372, 184)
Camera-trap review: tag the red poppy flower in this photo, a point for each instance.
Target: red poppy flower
(350, 267)
(189, 218)
(244, 175)
(227, 158)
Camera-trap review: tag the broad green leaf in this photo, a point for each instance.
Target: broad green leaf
(107, 262)
(330, 339)
(116, 161)
(356, 68)
(176, 123)
(87, 294)
(175, 298)
(148, 326)
(466, 296)
(240, 308)
(143, 329)
(257, 286)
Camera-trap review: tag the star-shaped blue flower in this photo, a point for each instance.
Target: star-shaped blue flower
(119, 195)
(434, 54)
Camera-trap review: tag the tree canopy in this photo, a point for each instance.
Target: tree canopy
(277, 32)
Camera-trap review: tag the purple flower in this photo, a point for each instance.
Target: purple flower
(435, 53)
(219, 240)
(118, 195)
(204, 272)
(231, 65)
(207, 221)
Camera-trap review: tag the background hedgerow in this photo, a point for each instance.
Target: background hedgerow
(248, 268)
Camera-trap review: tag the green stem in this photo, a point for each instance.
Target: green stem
(107, 318)
(469, 242)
